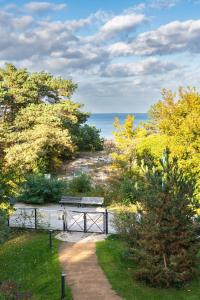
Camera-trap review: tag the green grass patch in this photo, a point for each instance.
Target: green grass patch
(27, 260)
(119, 269)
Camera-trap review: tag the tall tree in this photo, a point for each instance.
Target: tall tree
(176, 120)
(168, 243)
(124, 137)
(39, 124)
(41, 136)
(19, 88)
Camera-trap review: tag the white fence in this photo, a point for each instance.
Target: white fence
(63, 219)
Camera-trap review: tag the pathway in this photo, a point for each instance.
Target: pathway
(84, 275)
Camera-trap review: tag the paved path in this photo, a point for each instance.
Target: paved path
(84, 275)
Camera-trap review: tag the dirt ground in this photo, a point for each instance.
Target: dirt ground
(96, 164)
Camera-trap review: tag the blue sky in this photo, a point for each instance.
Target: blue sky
(121, 53)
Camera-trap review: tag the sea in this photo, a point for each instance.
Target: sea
(104, 121)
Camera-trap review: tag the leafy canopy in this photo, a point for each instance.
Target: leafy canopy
(39, 124)
(19, 88)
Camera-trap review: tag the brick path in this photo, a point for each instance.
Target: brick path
(84, 275)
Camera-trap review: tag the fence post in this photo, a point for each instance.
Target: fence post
(35, 218)
(63, 286)
(85, 221)
(106, 221)
(64, 221)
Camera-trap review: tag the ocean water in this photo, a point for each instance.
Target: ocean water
(104, 122)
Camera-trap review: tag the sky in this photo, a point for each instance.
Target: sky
(121, 53)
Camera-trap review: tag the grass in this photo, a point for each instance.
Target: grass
(27, 260)
(120, 272)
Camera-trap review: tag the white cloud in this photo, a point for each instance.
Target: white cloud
(120, 48)
(168, 39)
(160, 4)
(121, 24)
(136, 8)
(145, 67)
(22, 22)
(103, 52)
(40, 6)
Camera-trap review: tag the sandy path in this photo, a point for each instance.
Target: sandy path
(84, 275)
(96, 164)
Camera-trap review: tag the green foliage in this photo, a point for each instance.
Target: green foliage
(127, 225)
(120, 270)
(27, 260)
(38, 190)
(120, 190)
(176, 118)
(39, 139)
(39, 125)
(175, 124)
(80, 184)
(125, 154)
(4, 230)
(167, 236)
(19, 88)
(88, 139)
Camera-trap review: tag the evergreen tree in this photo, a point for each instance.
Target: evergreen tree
(168, 242)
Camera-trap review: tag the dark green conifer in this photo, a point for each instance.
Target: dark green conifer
(168, 241)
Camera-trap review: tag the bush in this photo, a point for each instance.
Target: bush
(89, 139)
(120, 190)
(4, 229)
(37, 189)
(126, 224)
(80, 184)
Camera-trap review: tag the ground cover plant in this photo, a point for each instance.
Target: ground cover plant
(27, 262)
(115, 259)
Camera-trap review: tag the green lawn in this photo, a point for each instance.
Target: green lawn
(120, 272)
(27, 260)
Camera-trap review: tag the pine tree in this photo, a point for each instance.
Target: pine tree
(168, 242)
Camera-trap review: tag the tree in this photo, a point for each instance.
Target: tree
(19, 88)
(88, 138)
(41, 136)
(125, 154)
(176, 118)
(7, 190)
(39, 124)
(168, 243)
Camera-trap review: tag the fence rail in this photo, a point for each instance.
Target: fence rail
(63, 219)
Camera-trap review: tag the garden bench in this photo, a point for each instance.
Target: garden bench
(82, 201)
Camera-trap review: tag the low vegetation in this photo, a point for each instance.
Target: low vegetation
(38, 189)
(29, 268)
(115, 259)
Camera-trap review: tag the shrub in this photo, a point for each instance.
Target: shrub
(126, 224)
(80, 184)
(89, 139)
(120, 190)
(126, 190)
(37, 189)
